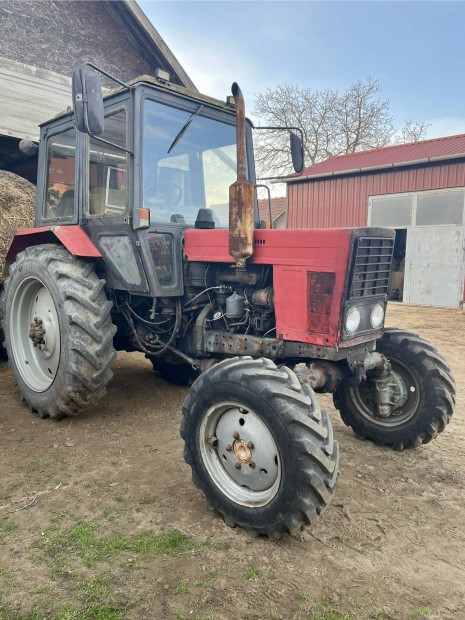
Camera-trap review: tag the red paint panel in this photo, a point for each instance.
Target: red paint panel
(271, 246)
(72, 237)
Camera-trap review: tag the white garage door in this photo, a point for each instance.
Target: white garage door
(434, 266)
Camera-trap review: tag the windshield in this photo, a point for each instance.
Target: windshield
(189, 162)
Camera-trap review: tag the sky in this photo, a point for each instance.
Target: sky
(416, 50)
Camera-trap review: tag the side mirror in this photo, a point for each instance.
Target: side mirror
(88, 101)
(297, 153)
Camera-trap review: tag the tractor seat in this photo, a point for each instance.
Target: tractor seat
(102, 204)
(65, 207)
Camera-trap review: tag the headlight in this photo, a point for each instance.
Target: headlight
(377, 316)
(352, 320)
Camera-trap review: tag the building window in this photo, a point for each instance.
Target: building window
(442, 207)
(428, 208)
(392, 211)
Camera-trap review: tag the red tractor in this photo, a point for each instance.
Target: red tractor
(147, 239)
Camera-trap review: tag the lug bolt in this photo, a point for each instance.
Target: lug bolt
(237, 465)
(252, 464)
(250, 445)
(236, 435)
(228, 448)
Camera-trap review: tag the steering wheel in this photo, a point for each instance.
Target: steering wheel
(167, 192)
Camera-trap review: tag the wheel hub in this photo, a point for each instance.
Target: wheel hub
(390, 393)
(241, 451)
(37, 333)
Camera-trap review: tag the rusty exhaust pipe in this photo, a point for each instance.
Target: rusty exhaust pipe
(241, 220)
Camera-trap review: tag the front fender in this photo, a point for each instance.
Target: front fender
(73, 238)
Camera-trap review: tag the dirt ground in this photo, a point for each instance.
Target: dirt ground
(109, 492)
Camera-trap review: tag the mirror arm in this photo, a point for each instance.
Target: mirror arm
(283, 129)
(108, 75)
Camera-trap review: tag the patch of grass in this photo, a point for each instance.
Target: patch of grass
(382, 614)
(145, 500)
(180, 588)
(95, 599)
(419, 613)
(253, 573)
(7, 526)
(304, 596)
(325, 611)
(82, 540)
(113, 513)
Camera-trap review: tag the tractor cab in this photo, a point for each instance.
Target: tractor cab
(164, 156)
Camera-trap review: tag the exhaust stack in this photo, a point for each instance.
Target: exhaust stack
(241, 220)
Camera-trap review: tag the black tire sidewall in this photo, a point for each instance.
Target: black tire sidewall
(31, 267)
(285, 497)
(405, 434)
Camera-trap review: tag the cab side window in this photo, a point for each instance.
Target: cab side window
(108, 168)
(61, 157)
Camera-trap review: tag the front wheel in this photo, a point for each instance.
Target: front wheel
(421, 394)
(259, 446)
(58, 331)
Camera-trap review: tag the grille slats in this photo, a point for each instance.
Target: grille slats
(371, 267)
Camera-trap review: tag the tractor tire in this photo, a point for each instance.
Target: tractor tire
(427, 381)
(259, 446)
(58, 331)
(3, 353)
(178, 373)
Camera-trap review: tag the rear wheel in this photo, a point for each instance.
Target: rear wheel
(422, 395)
(259, 446)
(178, 373)
(3, 353)
(58, 331)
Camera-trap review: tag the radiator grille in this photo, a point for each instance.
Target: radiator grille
(372, 266)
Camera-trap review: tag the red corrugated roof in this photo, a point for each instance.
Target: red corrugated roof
(278, 206)
(397, 155)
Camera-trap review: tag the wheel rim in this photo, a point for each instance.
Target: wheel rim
(233, 435)
(363, 397)
(35, 334)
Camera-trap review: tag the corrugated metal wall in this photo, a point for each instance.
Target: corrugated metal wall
(342, 201)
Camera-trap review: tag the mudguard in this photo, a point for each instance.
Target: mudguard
(73, 238)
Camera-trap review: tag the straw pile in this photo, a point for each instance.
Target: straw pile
(17, 204)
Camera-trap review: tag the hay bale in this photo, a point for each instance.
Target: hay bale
(17, 205)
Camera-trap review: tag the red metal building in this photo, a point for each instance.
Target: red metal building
(416, 188)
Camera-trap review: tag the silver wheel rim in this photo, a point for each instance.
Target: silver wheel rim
(232, 435)
(33, 305)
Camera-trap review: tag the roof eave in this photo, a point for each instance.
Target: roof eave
(403, 164)
(154, 36)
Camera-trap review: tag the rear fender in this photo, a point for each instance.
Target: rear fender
(73, 238)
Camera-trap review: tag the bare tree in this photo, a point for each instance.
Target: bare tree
(412, 132)
(332, 123)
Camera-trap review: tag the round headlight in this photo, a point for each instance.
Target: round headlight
(377, 316)
(353, 320)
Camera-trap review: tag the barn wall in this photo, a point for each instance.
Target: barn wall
(58, 36)
(28, 97)
(343, 201)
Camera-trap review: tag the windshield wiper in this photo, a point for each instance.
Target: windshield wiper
(181, 132)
